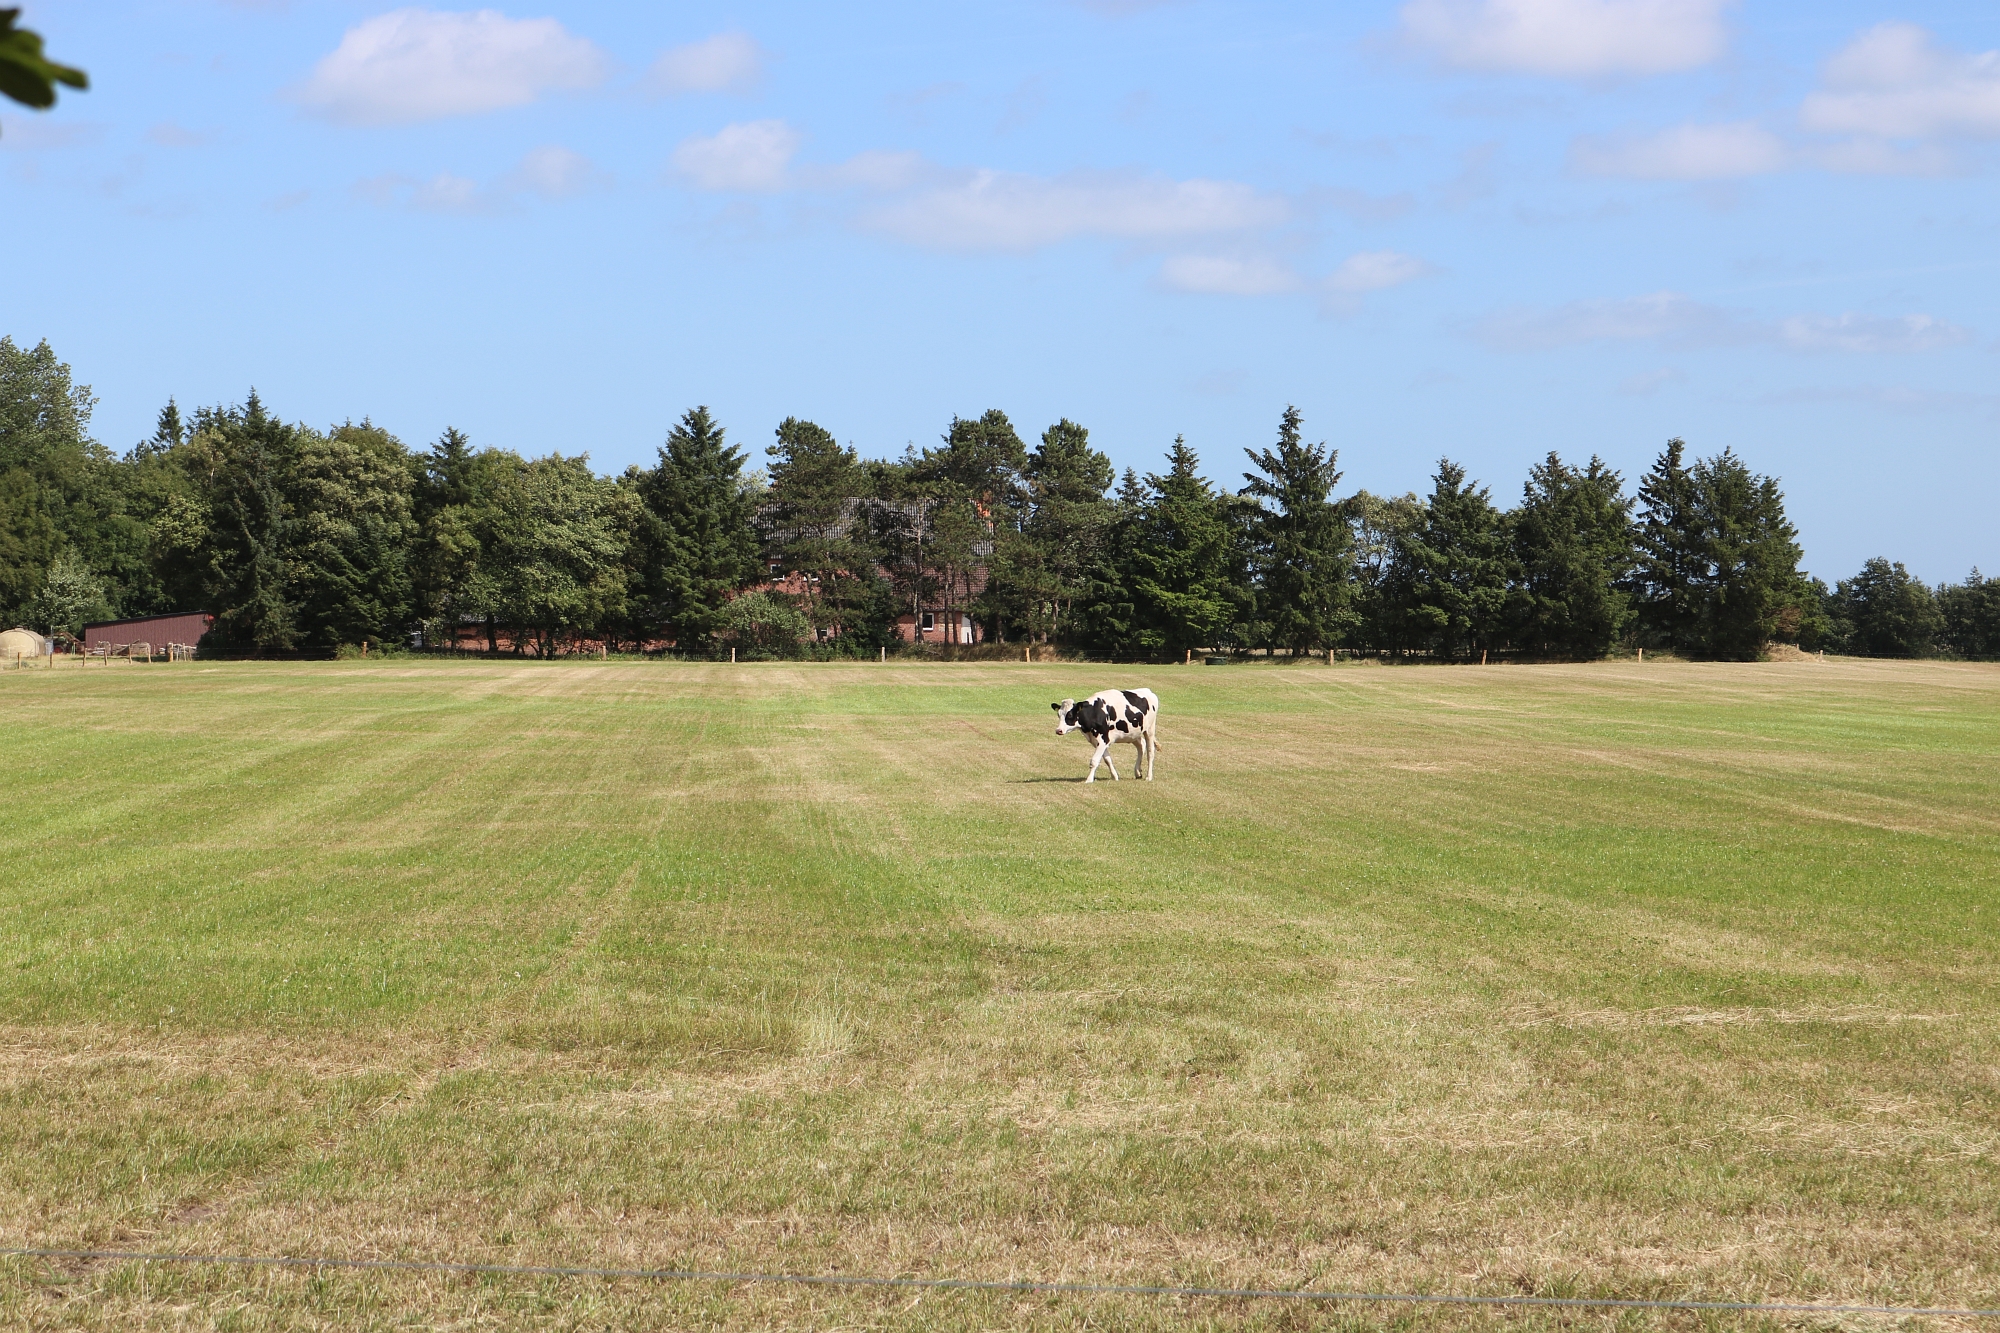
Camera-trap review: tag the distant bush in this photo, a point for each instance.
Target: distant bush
(763, 625)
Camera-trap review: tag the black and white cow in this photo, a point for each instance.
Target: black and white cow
(1112, 717)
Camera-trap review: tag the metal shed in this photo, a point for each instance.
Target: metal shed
(183, 627)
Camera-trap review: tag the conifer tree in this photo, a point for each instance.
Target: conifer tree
(1883, 612)
(705, 545)
(816, 526)
(1671, 565)
(1971, 615)
(1748, 559)
(1573, 549)
(1179, 571)
(1042, 571)
(1455, 567)
(1300, 542)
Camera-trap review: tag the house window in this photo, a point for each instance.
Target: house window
(930, 620)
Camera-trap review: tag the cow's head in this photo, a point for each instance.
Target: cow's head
(1066, 717)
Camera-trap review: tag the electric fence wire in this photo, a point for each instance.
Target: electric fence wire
(1022, 1287)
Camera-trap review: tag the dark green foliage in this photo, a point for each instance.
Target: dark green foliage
(300, 540)
(1971, 616)
(1041, 570)
(1299, 542)
(1452, 570)
(26, 75)
(982, 460)
(1883, 612)
(1750, 584)
(1572, 539)
(559, 534)
(702, 546)
(819, 538)
(1672, 566)
(761, 624)
(1179, 558)
(230, 556)
(1718, 572)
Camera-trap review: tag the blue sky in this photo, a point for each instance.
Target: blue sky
(1476, 228)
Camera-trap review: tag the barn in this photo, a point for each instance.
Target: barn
(182, 627)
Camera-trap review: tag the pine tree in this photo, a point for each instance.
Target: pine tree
(1886, 613)
(1456, 567)
(706, 546)
(1573, 549)
(816, 526)
(1971, 613)
(1043, 571)
(1179, 572)
(1300, 542)
(242, 570)
(1749, 556)
(1671, 565)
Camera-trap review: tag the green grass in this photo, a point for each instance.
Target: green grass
(1660, 980)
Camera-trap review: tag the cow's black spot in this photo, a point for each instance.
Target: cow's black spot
(1138, 701)
(1134, 716)
(1124, 727)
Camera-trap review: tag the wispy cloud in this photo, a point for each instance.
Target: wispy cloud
(1870, 333)
(1569, 38)
(414, 65)
(1262, 275)
(1228, 275)
(1686, 153)
(1376, 271)
(752, 156)
(550, 172)
(1674, 320)
(166, 134)
(999, 210)
(18, 132)
(725, 62)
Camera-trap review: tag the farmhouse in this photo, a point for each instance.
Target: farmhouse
(183, 627)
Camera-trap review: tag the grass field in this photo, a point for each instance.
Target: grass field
(1660, 980)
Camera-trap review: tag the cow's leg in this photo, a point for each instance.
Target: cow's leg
(1149, 751)
(1109, 762)
(1096, 758)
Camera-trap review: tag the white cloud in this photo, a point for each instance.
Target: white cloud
(1685, 153)
(1895, 82)
(751, 155)
(715, 64)
(1227, 275)
(1375, 271)
(553, 172)
(996, 210)
(1674, 320)
(1661, 317)
(876, 169)
(549, 172)
(1572, 38)
(19, 132)
(1867, 333)
(420, 64)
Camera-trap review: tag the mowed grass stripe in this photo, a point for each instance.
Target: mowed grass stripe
(1675, 979)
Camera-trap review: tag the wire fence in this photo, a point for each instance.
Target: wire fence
(1019, 1287)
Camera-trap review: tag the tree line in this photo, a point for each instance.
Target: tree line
(299, 539)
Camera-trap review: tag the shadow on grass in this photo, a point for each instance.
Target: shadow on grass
(1020, 781)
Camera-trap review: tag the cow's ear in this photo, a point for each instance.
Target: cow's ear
(1057, 707)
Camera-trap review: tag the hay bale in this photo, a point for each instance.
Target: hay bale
(22, 643)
